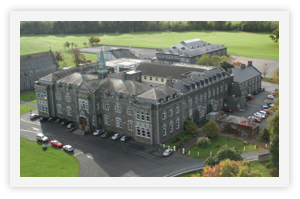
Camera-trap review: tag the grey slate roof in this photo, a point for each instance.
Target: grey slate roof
(165, 70)
(159, 92)
(192, 48)
(240, 75)
(77, 78)
(37, 61)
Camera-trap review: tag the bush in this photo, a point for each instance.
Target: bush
(211, 129)
(178, 145)
(217, 145)
(264, 135)
(211, 161)
(203, 142)
(274, 172)
(176, 140)
(245, 143)
(269, 165)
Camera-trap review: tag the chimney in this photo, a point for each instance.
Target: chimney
(243, 66)
(249, 63)
(169, 82)
(123, 76)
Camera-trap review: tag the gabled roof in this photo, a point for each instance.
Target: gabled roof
(37, 61)
(127, 86)
(159, 92)
(240, 75)
(77, 78)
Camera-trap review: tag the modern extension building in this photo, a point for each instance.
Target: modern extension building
(188, 51)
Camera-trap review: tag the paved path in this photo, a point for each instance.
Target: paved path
(28, 103)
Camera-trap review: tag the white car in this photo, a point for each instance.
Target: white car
(98, 132)
(264, 113)
(167, 152)
(116, 136)
(260, 116)
(68, 148)
(41, 137)
(270, 97)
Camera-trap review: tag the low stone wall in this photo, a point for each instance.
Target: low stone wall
(264, 157)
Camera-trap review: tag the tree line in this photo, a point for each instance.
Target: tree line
(79, 27)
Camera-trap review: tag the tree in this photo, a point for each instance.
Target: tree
(72, 44)
(237, 64)
(84, 43)
(275, 73)
(214, 60)
(225, 65)
(204, 60)
(203, 142)
(211, 129)
(191, 127)
(93, 40)
(274, 146)
(96, 40)
(58, 56)
(264, 135)
(223, 153)
(78, 58)
(264, 70)
(67, 44)
(275, 35)
(229, 168)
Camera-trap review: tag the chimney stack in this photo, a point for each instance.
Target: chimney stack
(249, 63)
(123, 76)
(243, 66)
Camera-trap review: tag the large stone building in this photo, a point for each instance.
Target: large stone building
(188, 51)
(127, 103)
(35, 66)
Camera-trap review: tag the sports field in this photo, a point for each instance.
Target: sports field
(257, 45)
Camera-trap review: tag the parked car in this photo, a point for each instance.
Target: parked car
(99, 132)
(72, 129)
(71, 125)
(267, 111)
(106, 134)
(41, 137)
(228, 110)
(43, 119)
(260, 116)
(52, 119)
(270, 105)
(255, 119)
(59, 120)
(264, 113)
(261, 89)
(124, 138)
(34, 116)
(66, 122)
(264, 107)
(117, 136)
(270, 97)
(56, 143)
(167, 152)
(249, 97)
(68, 148)
(255, 92)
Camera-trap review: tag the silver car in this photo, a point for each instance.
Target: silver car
(41, 137)
(258, 115)
(68, 148)
(167, 152)
(116, 136)
(98, 132)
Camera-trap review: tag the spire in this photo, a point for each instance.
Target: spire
(101, 59)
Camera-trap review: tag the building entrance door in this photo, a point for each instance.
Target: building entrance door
(83, 123)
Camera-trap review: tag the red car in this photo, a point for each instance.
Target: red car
(267, 111)
(255, 119)
(56, 143)
(228, 110)
(261, 89)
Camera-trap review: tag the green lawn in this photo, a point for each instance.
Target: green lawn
(25, 108)
(52, 162)
(257, 45)
(205, 152)
(27, 98)
(270, 79)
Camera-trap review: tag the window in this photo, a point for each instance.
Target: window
(38, 94)
(145, 77)
(162, 79)
(221, 102)
(94, 121)
(118, 108)
(83, 104)
(130, 125)
(147, 117)
(156, 79)
(177, 109)
(129, 110)
(148, 133)
(150, 78)
(59, 108)
(225, 87)
(58, 95)
(215, 107)
(164, 130)
(209, 94)
(221, 89)
(171, 112)
(196, 100)
(204, 96)
(118, 122)
(177, 123)
(68, 97)
(45, 97)
(98, 105)
(164, 115)
(142, 116)
(171, 126)
(213, 92)
(106, 120)
(190, 102)
(138, 131)
(137, 115)
(200, 97)
(143, 132)
(106, 106)
(69, 111)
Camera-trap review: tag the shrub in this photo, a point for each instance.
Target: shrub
(274, 172)
(178, 145)
(203, 142)
(269, 165)
(217, 145)
(245, 143)
(211, 129)
(264, 135)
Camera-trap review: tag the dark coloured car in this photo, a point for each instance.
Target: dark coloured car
(34, 116)
(106, 134)
(228, 110)
(261, 89)
(255, 92)
(66, 122)
(59, 120)
(43, 119)
(52, 119)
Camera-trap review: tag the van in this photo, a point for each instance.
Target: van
(41, 137)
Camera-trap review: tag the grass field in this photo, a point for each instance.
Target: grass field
(205, 152)
(52, 162)
(27, 98)
(257, 45)
(25, 108)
